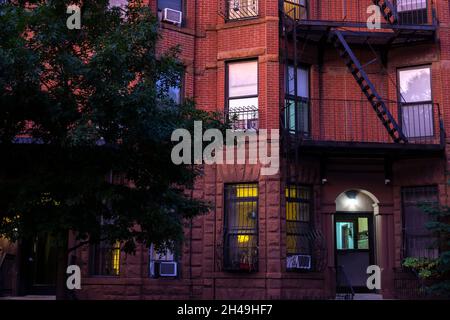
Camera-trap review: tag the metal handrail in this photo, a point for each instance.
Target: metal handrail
(343, 120)
(341, 271)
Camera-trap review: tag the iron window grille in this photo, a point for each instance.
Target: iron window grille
(299, 227)
(241, 228)
(418, 240)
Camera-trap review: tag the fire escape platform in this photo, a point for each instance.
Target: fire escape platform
(358, 33)
(369, 149)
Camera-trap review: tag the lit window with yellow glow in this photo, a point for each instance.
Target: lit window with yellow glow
(105, 259)
(116, 258)
(241, 227)
(298, 220)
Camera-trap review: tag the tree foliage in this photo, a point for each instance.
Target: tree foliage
(83, 108)
(436, 272)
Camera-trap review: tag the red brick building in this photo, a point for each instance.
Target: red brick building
(362, 115)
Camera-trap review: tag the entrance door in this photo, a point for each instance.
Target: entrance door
(40, 265)
(354, 250)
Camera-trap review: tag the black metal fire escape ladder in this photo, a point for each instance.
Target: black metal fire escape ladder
(367, 87)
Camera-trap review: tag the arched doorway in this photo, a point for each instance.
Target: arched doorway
(354, 238)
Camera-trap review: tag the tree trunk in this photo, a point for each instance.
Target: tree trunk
(61, 288)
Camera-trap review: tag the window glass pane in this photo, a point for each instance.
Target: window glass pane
(415, 85)
(172, 4)
(242, 79)
(417, 120)
(302, 82)
(238, 9)
(243, 104)
(296, 9)
(297, 121)
(409, 5)
(173, 93)
(241, 225)
(344, 235)
(363, 233)
(105, 259)
(419, 241)
(118, 3)
(298, 220)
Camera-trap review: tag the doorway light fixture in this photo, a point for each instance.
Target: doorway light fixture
(352, 201)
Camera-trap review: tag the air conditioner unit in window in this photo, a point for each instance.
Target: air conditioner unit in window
(167, 269)
(172, 16)
(299, 262)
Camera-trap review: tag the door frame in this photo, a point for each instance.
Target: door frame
(28, 272)
(372, 249)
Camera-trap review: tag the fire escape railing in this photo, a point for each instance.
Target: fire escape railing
(400, 123)
(333, 120)
(394, 12)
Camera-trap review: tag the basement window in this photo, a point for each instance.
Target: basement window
(241, 228)
(298, 227)
(162, 264)
(418, 241)
(105, 259)
(416, 102)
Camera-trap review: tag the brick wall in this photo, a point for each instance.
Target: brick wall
(207, 43)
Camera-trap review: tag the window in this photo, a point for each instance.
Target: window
(412, 11)
(298, 221)
(297, 118)
(171, 4)
(241, 9)
(416, 102)
(162, 261)
(296, 9)
(418, 241)
(105, 259)
(118, 3)
(353, 234)
(242, 93)
(172, 92)
(241, 228)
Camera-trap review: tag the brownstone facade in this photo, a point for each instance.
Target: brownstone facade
(370, 163)
(209, 41)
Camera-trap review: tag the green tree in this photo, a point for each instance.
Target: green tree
(79, 106)
(435, 271)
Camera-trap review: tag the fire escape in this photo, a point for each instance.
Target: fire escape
(370, 125)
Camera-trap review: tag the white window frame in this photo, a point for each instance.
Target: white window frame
(417, 114)
(243, 104)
